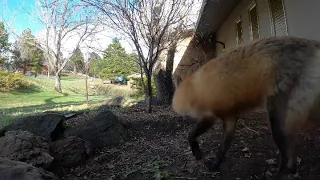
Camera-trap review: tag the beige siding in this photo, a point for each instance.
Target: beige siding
(180, 50)
(227, 33)
(303, 18)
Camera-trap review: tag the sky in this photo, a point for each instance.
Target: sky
(20, 15)
(16, 13)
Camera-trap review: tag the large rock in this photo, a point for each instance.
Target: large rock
(70, 152)
(116, 102)
(24, 146)
(48, 125)
(17, 170)
(104, 130)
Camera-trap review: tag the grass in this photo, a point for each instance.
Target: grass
(42, 97)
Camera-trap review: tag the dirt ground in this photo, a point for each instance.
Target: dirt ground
(158, 149)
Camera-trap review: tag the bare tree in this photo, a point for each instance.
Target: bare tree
(63, 20)
(149, 24)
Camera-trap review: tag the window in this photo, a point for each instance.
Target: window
(239, 31)
(278, 18)
(253, 20)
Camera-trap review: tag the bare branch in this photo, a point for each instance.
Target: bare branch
(151, 25)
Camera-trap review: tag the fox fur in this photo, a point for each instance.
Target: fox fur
(280, 73)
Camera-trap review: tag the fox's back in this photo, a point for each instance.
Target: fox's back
(244, 77)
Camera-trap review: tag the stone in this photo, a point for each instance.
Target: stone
(17, 170)
(48, 125)
(70, 152)
(104, 130)
(26, 147)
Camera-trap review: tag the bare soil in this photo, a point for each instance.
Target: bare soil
(158, 149)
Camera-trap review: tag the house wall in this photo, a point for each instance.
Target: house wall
(227, 32)
(180, 50)
(303, 18)
(188, 57)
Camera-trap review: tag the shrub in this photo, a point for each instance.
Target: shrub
(137, 85)
(12, 81)
(112, 90)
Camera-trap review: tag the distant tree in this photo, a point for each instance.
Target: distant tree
(63, 19)
(15, 57)
(28, 53)
(77, 60)
(4, 42)
(94, 59)
(116, 62)
(37, 62)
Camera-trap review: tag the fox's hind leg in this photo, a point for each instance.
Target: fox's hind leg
(201, 127)
(287, 113)
(277, 107)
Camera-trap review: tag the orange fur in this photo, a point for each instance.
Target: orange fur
(225, 85)
(280, 73)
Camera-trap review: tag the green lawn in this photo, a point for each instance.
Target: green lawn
(42, 97)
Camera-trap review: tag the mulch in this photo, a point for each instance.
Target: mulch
(158, 149)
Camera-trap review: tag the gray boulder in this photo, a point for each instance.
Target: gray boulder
(104, 130)
(48, 125)
(17, 170)
(24, 146)
(70, 152)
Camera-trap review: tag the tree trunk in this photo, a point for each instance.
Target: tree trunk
(164, 85)
(24, 67)
(75, 69)
(163, 79)
(149, 93)
(58, 83)
(87, 93)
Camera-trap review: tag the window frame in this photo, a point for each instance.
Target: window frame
(239, 19)
(273, 31)
(252, 5)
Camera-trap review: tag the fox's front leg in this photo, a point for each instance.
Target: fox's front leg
(229, 127)
(201, 127)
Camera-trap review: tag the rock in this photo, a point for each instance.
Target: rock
(271, 161)
(48, 125)
(246, 149)
(104, 107)
(24, 146)
(17, 170)
(268, 175)
(104, 130)
(70, 152)
(116, 102)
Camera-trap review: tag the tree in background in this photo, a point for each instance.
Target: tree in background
(63, 19)
(77, 60)
(116, 62)
(37, 62)
(28, 52)
(94, 61)
(4, 42)
(149, 25)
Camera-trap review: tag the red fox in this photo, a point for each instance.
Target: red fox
(281, 74)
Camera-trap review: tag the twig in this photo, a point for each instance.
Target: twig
(250, 128)
(178, 177)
